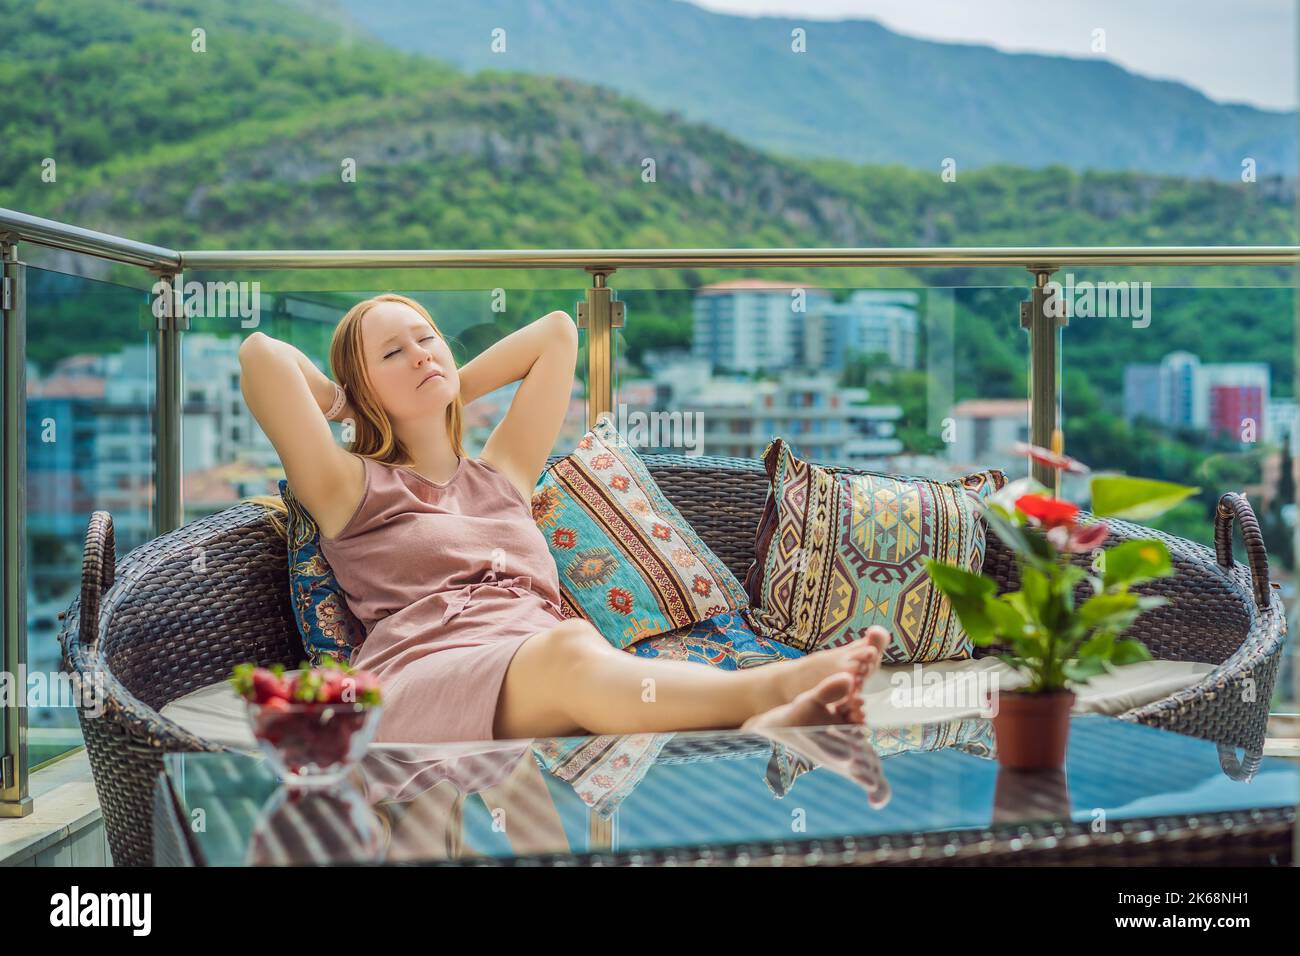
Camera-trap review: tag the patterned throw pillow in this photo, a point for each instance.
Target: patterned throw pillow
(628, 561)
(839, 550)
(725, 641)
(325, 622)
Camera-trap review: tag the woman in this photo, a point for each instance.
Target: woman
(440, 559)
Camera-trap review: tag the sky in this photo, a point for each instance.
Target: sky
(1233, 51)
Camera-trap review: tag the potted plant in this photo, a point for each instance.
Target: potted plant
(1055, 642)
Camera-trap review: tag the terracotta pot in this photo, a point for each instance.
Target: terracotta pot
(1032, 729)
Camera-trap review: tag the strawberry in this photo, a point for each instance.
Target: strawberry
(333, 685)
(266, 686)
(366, 687)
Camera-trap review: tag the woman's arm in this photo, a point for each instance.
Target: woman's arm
(509, 359)
(544, 355)
(289, 402)
(322, 387)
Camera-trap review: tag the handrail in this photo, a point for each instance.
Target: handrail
(594, 259)
(58, 235)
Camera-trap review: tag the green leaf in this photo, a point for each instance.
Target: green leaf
(1129, 652)
(1135, 499)
(241, 678)
(1084, 669)
(966, 592)
(1099, 645)
(1136, 561)
(1006, 619)
(958, 582)
(1107, 610)
(1037, 591)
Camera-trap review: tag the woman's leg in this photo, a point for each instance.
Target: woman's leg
(570, 680)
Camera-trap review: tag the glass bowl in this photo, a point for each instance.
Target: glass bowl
(311, 744)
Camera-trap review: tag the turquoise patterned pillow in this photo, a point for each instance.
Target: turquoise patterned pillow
(325, 622)
(628, 561)
(839, 550)
(725, 641)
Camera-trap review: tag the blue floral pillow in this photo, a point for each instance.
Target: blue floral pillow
(325, 622)
(725, 641)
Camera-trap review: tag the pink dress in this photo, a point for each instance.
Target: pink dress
(449, 580)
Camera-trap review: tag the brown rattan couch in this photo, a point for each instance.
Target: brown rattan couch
(161, 625)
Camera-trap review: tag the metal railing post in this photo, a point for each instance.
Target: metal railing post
(1042, 369)
(600, 314)
(171, 322)
(15, 801)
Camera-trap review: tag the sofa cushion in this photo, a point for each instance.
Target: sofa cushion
(326, 624)
(838, 551)
(909, 694)
(628, 561)
(216, 713)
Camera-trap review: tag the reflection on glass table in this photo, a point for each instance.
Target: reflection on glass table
(707, 791)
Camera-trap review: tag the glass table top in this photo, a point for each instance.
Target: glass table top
(407, 803)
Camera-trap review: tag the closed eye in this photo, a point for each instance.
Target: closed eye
(399, 348)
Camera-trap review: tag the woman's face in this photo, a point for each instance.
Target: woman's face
(410, 366)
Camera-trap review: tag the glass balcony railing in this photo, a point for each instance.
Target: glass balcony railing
(129, 406)
(89, 445)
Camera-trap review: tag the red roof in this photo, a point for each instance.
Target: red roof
(66, 386)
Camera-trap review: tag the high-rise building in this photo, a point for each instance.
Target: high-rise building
(753, 325)
(870, 322)
(1228, 399)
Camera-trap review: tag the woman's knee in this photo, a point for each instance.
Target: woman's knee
(578, 638)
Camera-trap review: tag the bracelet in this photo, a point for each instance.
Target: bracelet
(340, 398)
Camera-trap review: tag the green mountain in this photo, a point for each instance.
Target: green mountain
(858, 92)
(242, 145)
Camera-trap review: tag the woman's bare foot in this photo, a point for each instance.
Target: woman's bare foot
(836, 700)
(824, 687)
(795, 677)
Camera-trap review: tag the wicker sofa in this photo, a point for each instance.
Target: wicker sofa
(161, 625)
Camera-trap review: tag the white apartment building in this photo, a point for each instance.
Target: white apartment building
(738, 416)
(984, 432)
(753, 325)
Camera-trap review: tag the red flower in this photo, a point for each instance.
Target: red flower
(564, 538)
(1048, 512)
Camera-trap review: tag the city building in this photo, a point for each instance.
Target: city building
(1224, 399)
(870, 322)
(984, 432)
(753, 325)
(738, 416)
